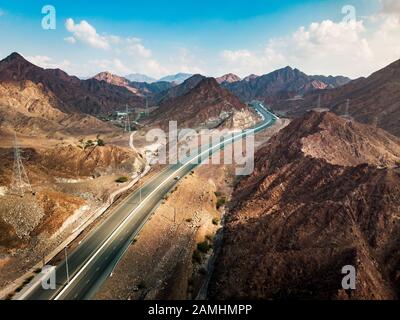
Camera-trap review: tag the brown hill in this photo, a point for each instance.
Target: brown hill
(228, 78)
(115, 80)
(85, 96)
(324, 194)
(373, 100)
(29, 108)
(207, 104)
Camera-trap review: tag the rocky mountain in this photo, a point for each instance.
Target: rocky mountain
(324, 194)
(115, 80)
(138, 77)
(250, 77)
(281, 84)
(374, 100)
(142, 89)
(204, 105)
(76, 96)
(228, 78)
(29, 108)
(176, 78)
(179, 90)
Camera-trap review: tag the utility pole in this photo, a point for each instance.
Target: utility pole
(66, 263)
(127, 122)
(20, 178)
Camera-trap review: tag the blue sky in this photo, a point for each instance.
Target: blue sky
(209, 37)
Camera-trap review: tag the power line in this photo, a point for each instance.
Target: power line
(20, 180)
(127, 126)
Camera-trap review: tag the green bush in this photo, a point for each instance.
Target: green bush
(196, 257)
(100, 142)
(121, 179)
(203, 246)
(218, 194)
(215, 221)
(221, 202)
(141, 285)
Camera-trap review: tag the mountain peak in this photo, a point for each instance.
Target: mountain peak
(15, 57)
(229, 77)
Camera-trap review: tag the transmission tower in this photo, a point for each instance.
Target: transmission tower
(127, 121)
(20, 180)
(347, 107)
(147, 108)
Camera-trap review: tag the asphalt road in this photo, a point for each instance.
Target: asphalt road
(93, 260)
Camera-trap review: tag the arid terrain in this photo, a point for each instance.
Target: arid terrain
(324, 194)
(180, 239)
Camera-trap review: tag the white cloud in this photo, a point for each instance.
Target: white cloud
(86, 33)
(112, 65)
(327, 47)
(47, 62)
(70, 40)
(136, 48)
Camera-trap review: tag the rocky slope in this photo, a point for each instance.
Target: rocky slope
(207, 104)
(179, 89)
(324, 194)
(29, 108)
(373, 100)
(76, 96)
(281, 84)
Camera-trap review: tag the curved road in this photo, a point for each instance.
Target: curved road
(93, 260)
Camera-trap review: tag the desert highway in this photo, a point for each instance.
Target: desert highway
(93, 260)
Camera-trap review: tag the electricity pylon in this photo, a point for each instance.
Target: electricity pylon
(347, 107)
(127, 121)
(20, 180)
(147, 109)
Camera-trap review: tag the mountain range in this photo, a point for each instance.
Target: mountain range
(281, 84)
(70, 93)
(373, 100)
(200, 101)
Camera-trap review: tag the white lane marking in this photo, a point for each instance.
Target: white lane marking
(144, 200)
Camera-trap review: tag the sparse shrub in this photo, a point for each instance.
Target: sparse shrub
(196, 257)
(203, 271)
(121, 180)
(100, 142)
(218, 194)
(397, 163)
(210, 237)
(215, 221)
(203, 246)
(221, 202)
(141, 285)
(189, 220)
